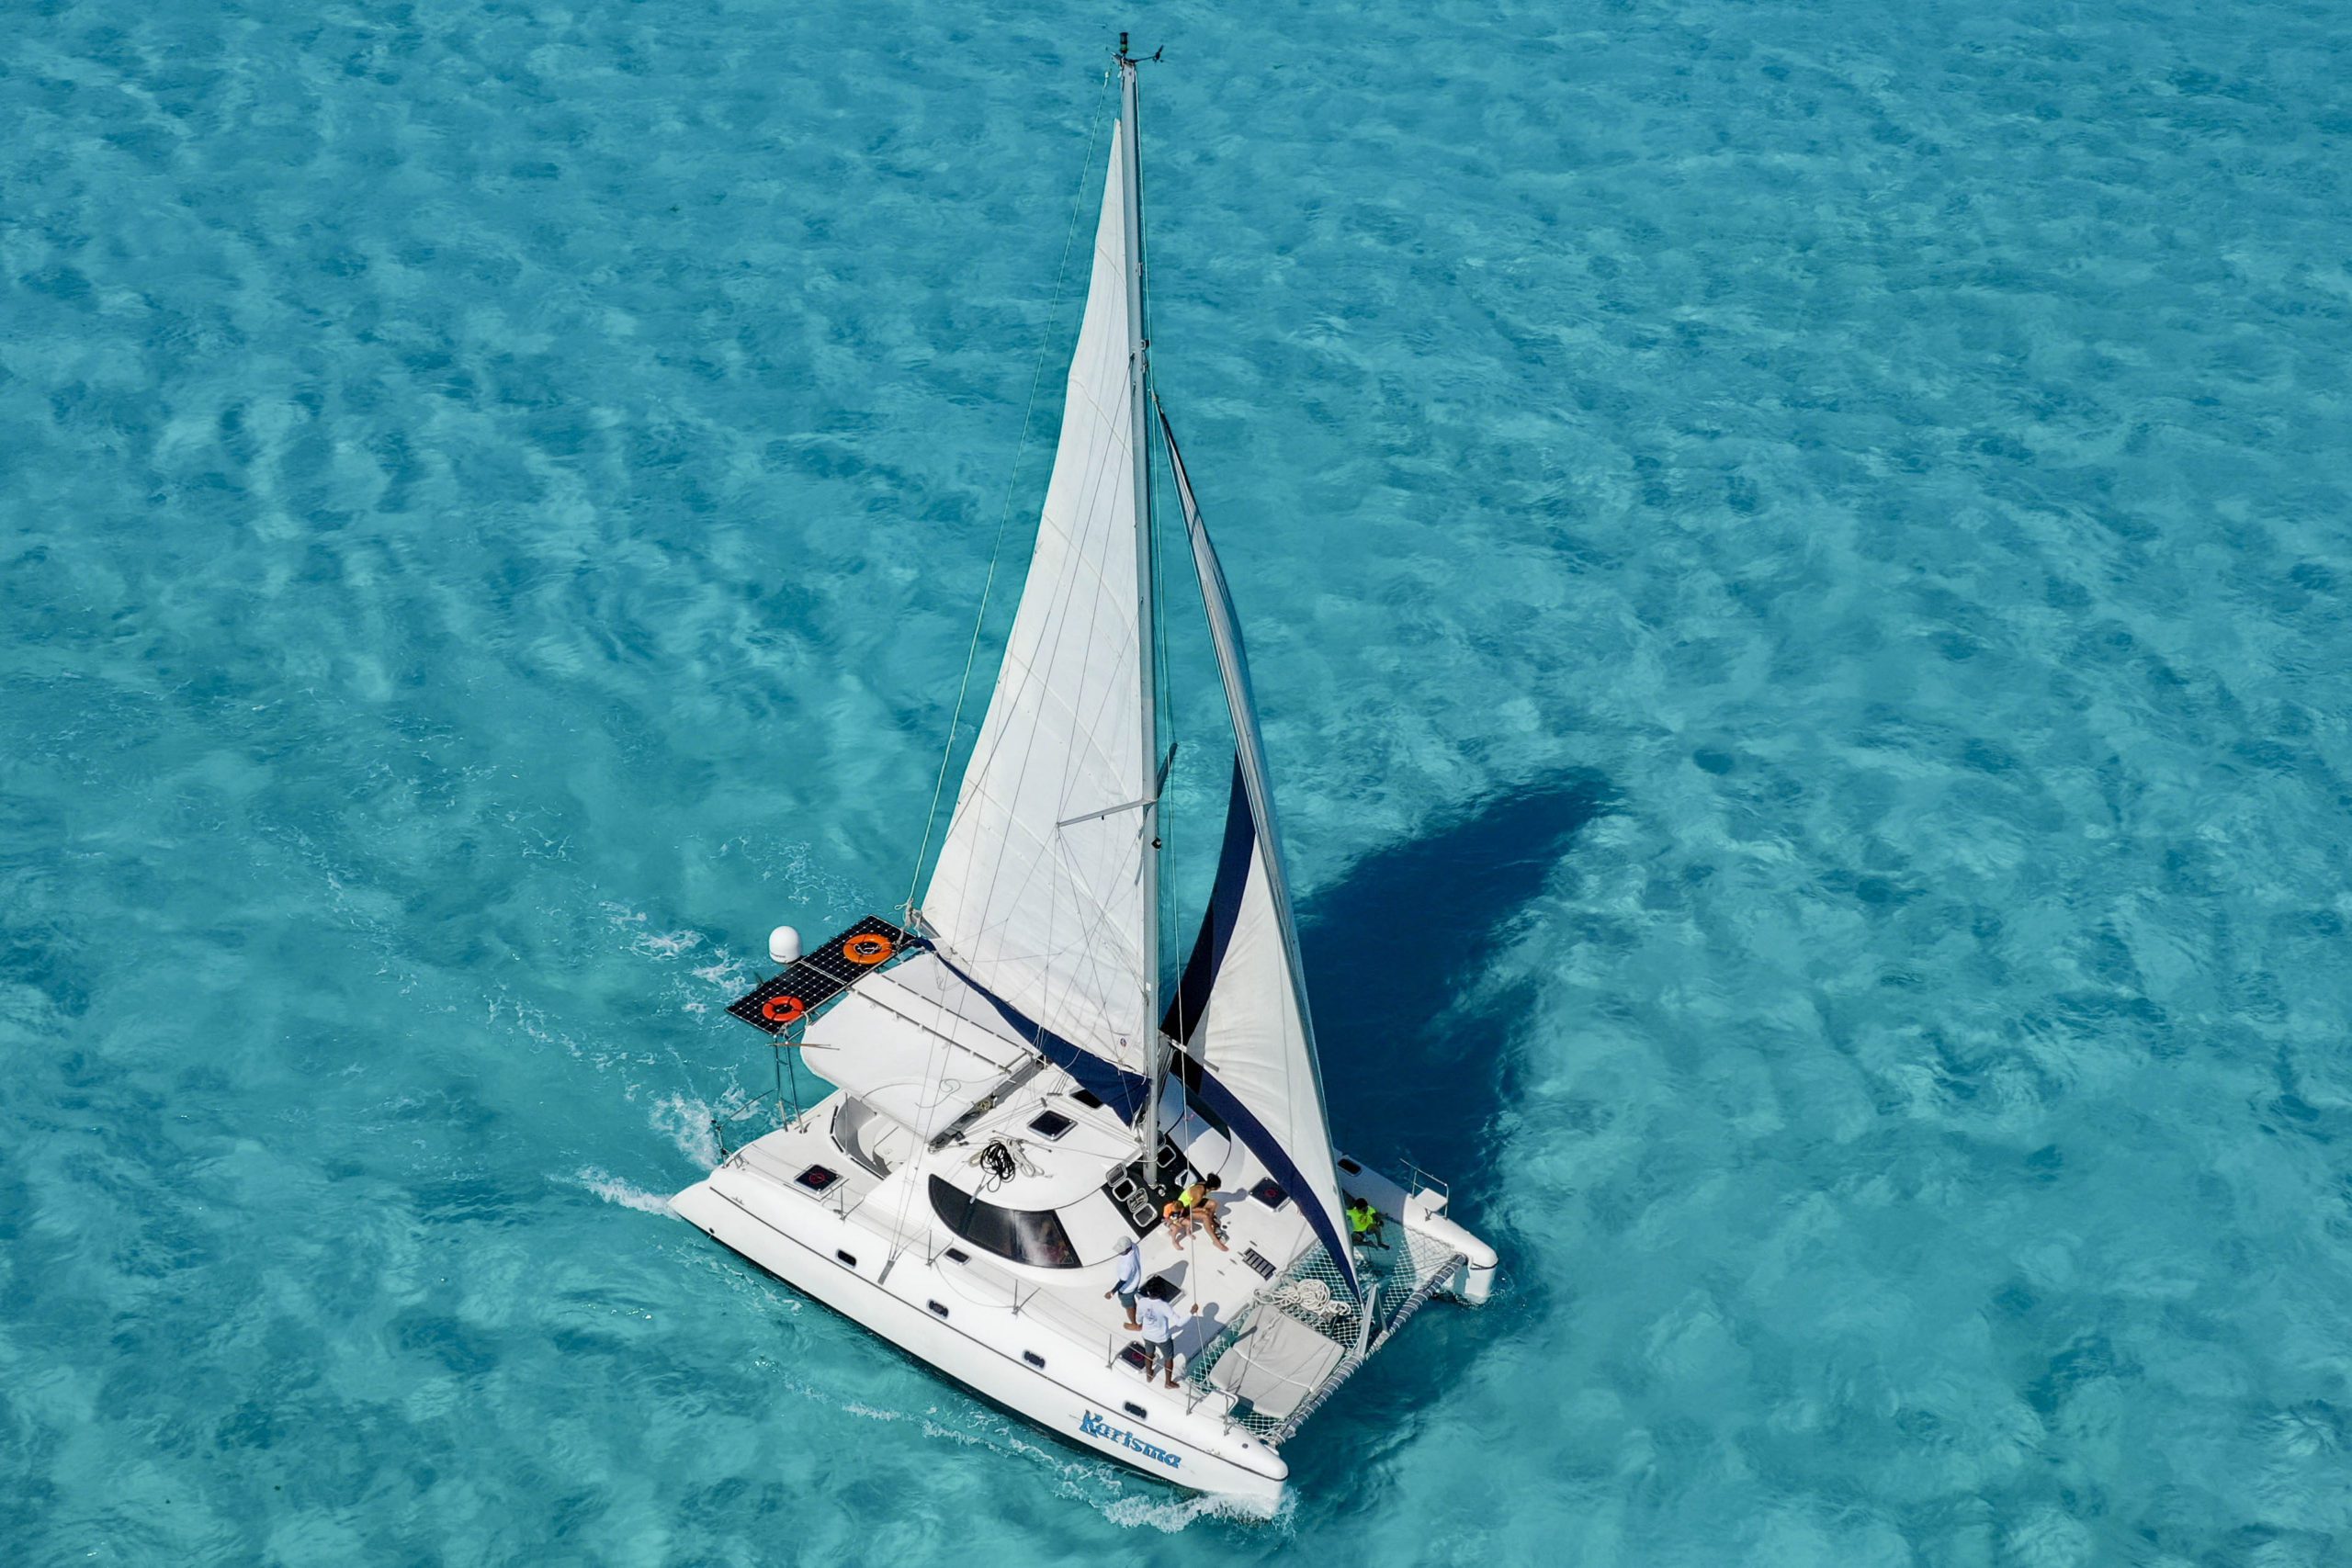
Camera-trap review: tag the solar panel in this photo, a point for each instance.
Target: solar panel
(822, 974)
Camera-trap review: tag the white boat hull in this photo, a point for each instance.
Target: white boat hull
(1077, 1396)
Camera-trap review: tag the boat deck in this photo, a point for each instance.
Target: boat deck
(1205, 1287)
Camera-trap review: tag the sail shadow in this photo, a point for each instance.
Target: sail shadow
(1397, 944)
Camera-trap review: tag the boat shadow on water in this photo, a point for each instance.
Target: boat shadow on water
(1416, 1042)
(1396, 951)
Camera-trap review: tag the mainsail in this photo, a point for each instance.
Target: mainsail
(1240, 1011)
(1041, 896)
(1039, 892)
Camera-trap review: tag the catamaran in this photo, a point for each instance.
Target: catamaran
(1013, 1102)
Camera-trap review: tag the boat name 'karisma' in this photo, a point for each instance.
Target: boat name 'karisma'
(1095, 1426)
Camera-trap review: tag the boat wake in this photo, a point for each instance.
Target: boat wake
(1109, 1490)
(685, 1119)
(613, 1189)
(1170, 1514)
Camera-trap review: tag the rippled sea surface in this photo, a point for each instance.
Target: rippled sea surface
(1797, 564)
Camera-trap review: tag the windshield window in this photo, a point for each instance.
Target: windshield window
(1033, 1237)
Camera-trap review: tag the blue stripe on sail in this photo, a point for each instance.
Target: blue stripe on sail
(1122, 1090)
(1218, 920)
(1254, 1134)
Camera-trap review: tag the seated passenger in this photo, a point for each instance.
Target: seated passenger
(1203, 1210)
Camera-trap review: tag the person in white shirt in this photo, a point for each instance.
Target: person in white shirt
(1130, 1277)
(1159, 1340)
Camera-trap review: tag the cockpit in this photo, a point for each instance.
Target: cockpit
(1035, 1236)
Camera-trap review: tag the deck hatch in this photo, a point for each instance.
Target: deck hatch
(818, 1177)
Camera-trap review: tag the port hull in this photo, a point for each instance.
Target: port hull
(1077, 1397)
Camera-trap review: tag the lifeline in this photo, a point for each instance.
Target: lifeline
(1095, 1426)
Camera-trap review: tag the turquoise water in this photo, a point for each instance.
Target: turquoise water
(1796, 562)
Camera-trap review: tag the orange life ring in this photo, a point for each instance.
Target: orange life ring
(869, 949)
(783, 1010)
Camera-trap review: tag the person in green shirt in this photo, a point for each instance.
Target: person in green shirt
(1365, 1224)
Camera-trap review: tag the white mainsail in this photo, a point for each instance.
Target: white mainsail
(1040, 893)
(1242, 1010)
(1039, 890)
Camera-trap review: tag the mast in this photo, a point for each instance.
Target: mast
(1139, 447)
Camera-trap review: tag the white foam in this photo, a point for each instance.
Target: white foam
(665, 944)
(1169, 1515)
(684, 1119)
(729, 972)
(613, 1189)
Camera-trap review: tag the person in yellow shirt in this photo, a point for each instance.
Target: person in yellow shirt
(1200, 1209)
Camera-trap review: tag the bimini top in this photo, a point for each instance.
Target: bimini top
(916, 1044)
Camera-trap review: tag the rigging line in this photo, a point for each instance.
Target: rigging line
(923, 1153)
(1072, 619)
(1071, 616)
(1056, 616)
(1012, 477)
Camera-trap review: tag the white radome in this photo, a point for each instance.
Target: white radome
(784, 945)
